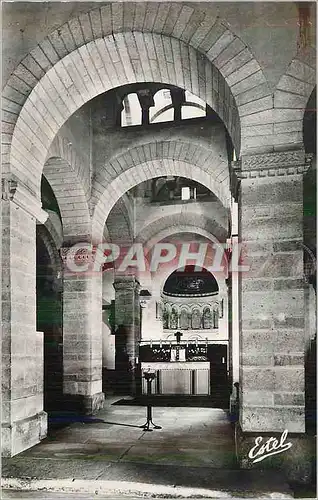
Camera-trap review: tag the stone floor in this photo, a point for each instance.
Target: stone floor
(194, 449)
(189, 436)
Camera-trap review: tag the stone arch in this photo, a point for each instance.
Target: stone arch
(43, 231)
(163, 276)
(131, 36)
(181, 229)
(64, 146)
(188, 222)
(197, 152)
(281, 124)
(119, 222)
(148, 170)
(54, 226)
(70, 196)
(95, 68)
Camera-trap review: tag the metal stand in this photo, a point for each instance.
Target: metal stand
(146, 426)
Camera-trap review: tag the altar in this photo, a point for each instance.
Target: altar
(179, 377)
(186, 368)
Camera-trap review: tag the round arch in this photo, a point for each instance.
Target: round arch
(112, 45)
(62, 147)
(145, 171)
(209, 158)
(70, 197)
(95, 68)
(181, 223)
(154, 234)
(119, 222)
(162, 278)
(51, 247)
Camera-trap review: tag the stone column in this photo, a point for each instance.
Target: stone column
(24, 423)
(272, 326)
(127, 316)
(146, 101)
(178, 99)
(82, 337)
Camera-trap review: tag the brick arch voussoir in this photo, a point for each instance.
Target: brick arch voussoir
(70, 196)
(148, 170)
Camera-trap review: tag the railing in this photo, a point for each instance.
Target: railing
(164, 342)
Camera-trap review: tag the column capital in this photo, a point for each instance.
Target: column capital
(126, 282)
(15, 191)
(278, 164)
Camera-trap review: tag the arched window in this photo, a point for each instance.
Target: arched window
(207, 318)
(131, 113)
(193, 107)
(184, 319)
(174, 319)
(163, 110)
(196, 319)
(215, 316)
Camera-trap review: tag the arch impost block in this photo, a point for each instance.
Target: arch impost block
(278, 164)
(13, 190)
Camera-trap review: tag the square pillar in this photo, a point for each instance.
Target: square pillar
(82, 339)
(273, 339)
(127, 317)
(24, 423)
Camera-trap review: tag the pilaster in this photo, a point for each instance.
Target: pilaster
(272, 291)
(24, 423)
